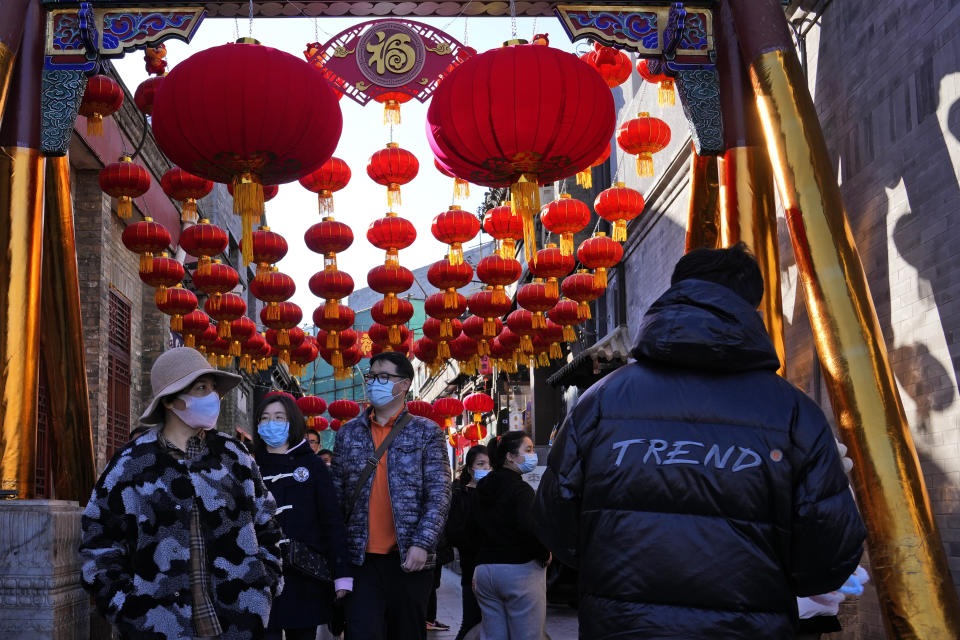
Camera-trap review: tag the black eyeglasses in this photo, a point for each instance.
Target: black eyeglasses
(381, 377)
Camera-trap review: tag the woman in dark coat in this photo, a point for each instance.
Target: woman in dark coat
(308, 511)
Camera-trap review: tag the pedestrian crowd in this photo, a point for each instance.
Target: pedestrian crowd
(696, 493)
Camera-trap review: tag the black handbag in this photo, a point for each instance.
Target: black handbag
(308, 561)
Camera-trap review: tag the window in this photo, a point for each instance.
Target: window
(118, 374)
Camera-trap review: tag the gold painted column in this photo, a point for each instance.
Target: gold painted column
(21, 230)
(12, 14)
(71, 434)
(748, 212)
(917, 596)
(702, 217)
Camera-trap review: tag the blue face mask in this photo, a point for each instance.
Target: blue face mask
(274, 433)
(529, 463)
(380, 394)
(480, 474)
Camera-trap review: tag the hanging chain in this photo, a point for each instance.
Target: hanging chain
(513, 19)
(534, 34)
(316, 29)
(236, 28)
(251, 18)
(466, 21)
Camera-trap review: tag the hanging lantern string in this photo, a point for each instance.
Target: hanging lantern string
(316, 21)
(251, 19)
(236, 28)
(466, 21)
(454, 18)
(533, 33)
(638, 99)
(513, 19)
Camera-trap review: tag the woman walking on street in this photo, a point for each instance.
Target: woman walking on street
(308, 513)
(460, 532)
(510, 578)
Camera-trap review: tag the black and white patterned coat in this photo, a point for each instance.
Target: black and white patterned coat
(419, 483)
(136, 539)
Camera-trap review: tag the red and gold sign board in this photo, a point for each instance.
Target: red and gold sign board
(388, 59)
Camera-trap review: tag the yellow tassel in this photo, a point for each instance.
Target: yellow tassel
(526, 344)
(160, 296)
(538, 321)
(585, 178)
(600, 278)
(190, 341)
(666, 94)
(393, 334)
(450, 298)
(331, 309)
(391, 112)
(189, 211)
(483, 349)
(393, 195)
(272, 313)
(489, 328)
(235, 348)
(392, 259)
(499, 295)
(508, 248)
(455, 256)
(336, 359)
(620, 231)
(203, 268)
(333, 340)
(644, 164)
(461, 189)
(283, 338)
(390, 304)
(525, 201)
(95, 125)
(330, 261)
(245, 363)
(223, 329)
(553, 289)
(285, 356)
(446, 329)
(248, 204)
(543, 359)
(124, 207)
(176, 323)
(146, 263)
(443, 350)
(325, 201)
(212, 359)
(583, 311)
(569, 335)
(555, 351)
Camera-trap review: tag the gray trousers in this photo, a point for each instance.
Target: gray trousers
(513, 599)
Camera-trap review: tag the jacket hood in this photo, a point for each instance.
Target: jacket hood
(702, 325)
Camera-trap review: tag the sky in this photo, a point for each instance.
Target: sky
(362, 200)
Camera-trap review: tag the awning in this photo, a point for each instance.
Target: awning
(595, 361)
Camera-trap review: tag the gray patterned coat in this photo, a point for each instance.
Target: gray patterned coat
(419, 483)
(136, 539)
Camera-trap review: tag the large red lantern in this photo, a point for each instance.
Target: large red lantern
(343, 409)
(551, 264)
(204, 240)
(519, 132)
(454, 227)
(435, 307)
(582, 287)
(391, 101)
(193, 325)
(302, 355)
(498, 272)
(391, 233)
(146, 238)
(273, 287)
(619, 205)
(164, 273)
(448, 278)
(187, 188)
(565, 217)
(552, 335)
(426, 351)
(666, 93)
(505, 225)
(102, 97)
(216, 279)
(216, 116)
(332, 176)
(478, 404)
(392, 319)
(206, 339)
(333, 285)
(267, 247)
(465, 350)
(521, 323)
(643, 136)
(312, 407)
(288, 316)
(448, 409)
(176, 302)
(333, 325)
(124, 180)
(442, 332)
(600, 253)
(585, 177)
(241, 330)
(474, 327)
(225, 308)
(393, 167)
(146, 93)
(537, 298)
(567, 315)
(461, 188)
(328, 238)
(489, 307)
(422, 409)
(389, 280)
(613, 65)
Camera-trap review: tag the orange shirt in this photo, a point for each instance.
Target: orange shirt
(382, 532)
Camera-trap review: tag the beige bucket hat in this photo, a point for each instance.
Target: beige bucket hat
(174, 371)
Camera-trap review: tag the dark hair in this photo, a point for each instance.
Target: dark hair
(298, 426)
(733, 267)
(507, 443)
(400, 361)
(466, 474)
(314, 432)
(324, 452)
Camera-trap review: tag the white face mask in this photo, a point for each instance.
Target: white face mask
(200, 413)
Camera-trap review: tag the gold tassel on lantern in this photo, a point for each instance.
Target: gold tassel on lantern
(455, 256)
(525, 202)
(189, 340)
(189, 211)
(160, 296)
(600, 278)
(203, 267)
(619, 231)
(284, 356)
(223, 329)
(390, 304)
(246, 363)
(499, 295)
(393, 195)
(331, 309)
(526, 344)
(666, 94)
(392, 259)
(248, 204)
(543, 359)
(537, 321)
(566, 244)
(555, 351)
(325, 201)
(235, 348)
(124, 207)
(483, 348)
(176, 323)
(333, 340)
(489, 328)
(212, 359)
(585, 178)
(391, 112)
(450, 298)
(95, 125)
(583, 311)
(443, 349)
(283, 338)
(146, 263)
(644, 164)
(272, 312)
(553, 288)
(508, 248)
(569, 335)
(461, 189)
(393, 334)
(336, 358)
(446, 329)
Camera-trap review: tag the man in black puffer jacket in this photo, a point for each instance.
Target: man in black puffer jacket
(697, 491)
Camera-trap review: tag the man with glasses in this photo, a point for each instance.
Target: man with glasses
(313, 439)
(393, 476)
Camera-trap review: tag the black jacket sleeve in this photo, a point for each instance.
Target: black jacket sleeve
(330, 520)
(827, 533)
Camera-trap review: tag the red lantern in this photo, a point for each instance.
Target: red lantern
(218, 278)
(489, 307)
(426, 351)
(498, 272)
(442, 333)
(333, 285)
(268, 247)
(581, 287)
(301, 356)
(567, 315)
(288, 316)
(391, 101)
(666, 93)
(552, 335)
(332, 176)
(187, 188)
(503, 354)
(506, 226)
(389, 280)
(454, 227)
(643, 136)
(294, 337)
(447, 408)
(207, 339)
(392, 319)
(176, 302)
(516, 131)
(335, 425)
(225, 308)
(311, 405)
(146, 93)
(210, 120)
(465, 350)
(551, 264)
(393, 167)
(319, 422)
(146, 238)
(613, 65)
(124, 180)
(272, 287)
(164, 273)
(521, 323)
(585, 177)
(204, 240)
(565, 217)
(328, 238)
(474, 327)
(619, 205)
(461, 188)
(600, 253)
(435, 307)
(391, 233)
(220, 353)
(475, 432)
(537, 298)
(478, 404)
(102, 97)
(448, 278)
(379, 334)
(192, 325)
(241, 330)
(333, 325)
(343, 409)
(422, 409)
(250, 352)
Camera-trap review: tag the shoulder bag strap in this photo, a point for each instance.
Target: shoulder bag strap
(374, 460)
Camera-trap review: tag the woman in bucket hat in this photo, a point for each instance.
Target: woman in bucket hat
(179, 536)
